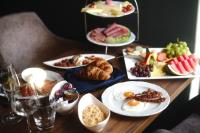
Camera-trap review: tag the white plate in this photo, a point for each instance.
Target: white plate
(53, 76)
(129, 62)
(48, 75)
(52, 62)
(109, 98)
(106, 15)
(131, 39)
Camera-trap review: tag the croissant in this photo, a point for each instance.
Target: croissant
(97, 70)
(93, 73)
(102, 64)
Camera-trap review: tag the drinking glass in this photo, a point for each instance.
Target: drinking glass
(7, 82)
(25, 99)
(44, 117)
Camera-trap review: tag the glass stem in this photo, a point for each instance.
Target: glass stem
(28, 123)
(10, 100)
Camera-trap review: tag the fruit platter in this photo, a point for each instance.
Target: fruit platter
(173, 61)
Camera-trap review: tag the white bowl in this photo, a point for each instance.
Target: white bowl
(62, 107)
(33, 72)
(89, 99)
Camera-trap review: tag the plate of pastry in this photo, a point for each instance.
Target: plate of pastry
(114, 35)
(75, 61)
(97, 74)
(109, 8)
(136, 99)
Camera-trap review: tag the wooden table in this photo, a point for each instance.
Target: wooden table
(117, 123)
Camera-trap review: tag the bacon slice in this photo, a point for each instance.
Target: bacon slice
(116, 30)
(97, 35)
(110, 27)
(113, 31)
(149, 96)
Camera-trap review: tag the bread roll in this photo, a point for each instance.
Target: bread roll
(97, 70)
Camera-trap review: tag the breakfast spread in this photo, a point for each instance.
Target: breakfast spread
(97, 70)
(114, 33)
(109, 8)
(92, 115)
(76, 60)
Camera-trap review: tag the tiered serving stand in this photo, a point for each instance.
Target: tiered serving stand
(133, 38)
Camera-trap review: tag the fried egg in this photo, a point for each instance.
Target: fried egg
(133, 105)
(123, 95)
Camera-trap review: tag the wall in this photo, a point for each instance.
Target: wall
(161, 21)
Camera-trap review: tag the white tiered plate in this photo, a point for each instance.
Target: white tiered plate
(131, 39)
(109, 15)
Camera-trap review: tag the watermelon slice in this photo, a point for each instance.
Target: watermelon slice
(187, 66)
(180, 58)
(174, 67)
(181, 68)
(174, 70)
(185, 56)
(194, 58)
(175, 60)
(183, 65)
(191, 63)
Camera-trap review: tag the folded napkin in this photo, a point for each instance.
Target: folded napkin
(84, 86)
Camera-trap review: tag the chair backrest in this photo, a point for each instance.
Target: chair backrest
(25, 40)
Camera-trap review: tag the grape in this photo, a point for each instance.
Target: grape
(142, 70)
(176, 49)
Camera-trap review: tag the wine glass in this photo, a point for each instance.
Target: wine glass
(25, 99)
(7, 81)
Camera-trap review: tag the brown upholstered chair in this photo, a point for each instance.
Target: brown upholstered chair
(25, 40)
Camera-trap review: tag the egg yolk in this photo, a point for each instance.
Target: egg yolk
(133, 103)
(128, 94)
